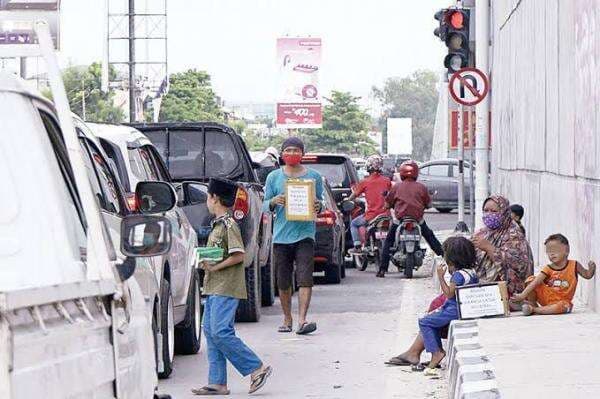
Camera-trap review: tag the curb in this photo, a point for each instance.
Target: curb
(471, 374)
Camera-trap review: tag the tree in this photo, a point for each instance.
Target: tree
(83, 86)
(413, 97)
(345, 127)
(190, 98)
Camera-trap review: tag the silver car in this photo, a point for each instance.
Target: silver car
(172, 283)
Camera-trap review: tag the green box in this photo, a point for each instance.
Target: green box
(209, 254)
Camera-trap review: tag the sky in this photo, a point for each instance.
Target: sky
(364, 41)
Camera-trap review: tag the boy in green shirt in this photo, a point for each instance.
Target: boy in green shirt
(225, 285)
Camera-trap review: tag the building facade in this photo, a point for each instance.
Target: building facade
(545, 73)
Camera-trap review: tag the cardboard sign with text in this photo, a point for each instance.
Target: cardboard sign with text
(300, 200)
(482, 300)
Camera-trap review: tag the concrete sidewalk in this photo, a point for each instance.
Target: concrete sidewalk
(544, 356)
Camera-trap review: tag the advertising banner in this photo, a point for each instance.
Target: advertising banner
(299, 97)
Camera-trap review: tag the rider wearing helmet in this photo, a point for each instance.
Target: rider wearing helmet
(375, 187)
(408, 198)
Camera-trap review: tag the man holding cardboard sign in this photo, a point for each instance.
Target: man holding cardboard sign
(294, 194)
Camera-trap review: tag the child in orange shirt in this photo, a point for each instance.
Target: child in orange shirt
(552, 290)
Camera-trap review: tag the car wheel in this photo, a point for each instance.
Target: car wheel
(444, 210)
(188, 333)
(333, 273)
(249, 309)
(267, 279)
(167, 328)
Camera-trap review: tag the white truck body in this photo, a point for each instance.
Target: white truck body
(69, 327)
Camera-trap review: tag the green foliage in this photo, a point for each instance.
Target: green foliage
(345, 127)
(99, 106)
(190, 99)
(413, 97)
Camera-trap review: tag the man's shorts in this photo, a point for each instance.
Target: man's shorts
(302, 253)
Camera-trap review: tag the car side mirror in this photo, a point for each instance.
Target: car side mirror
(194, 193)
(145, 236)
(347, 206)
(155, 197)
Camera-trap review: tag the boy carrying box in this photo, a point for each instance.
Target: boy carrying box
(225, 285)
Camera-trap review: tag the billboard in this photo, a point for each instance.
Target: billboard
(399, 136)
(20, 15)
(299, 97)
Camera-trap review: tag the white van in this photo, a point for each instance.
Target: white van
(72, 323)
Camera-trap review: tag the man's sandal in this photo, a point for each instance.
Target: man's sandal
(285, 329)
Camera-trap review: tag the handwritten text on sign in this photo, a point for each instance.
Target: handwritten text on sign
(480, 301)
(298, 200)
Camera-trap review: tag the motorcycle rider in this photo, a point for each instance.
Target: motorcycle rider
(408, 198)
(375, 187)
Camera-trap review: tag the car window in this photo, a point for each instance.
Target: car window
(148, 163)
(221, 156)
(72, 200)
(336, 174)
(163, 174)
(104, 184)
(137, 167)
(438, 170)
(455, 171)
(185, 154)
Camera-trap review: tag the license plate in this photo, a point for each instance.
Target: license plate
(380, 235)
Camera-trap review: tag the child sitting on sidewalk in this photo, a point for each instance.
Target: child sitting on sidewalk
(552, 290)
(459, 254)
(225, 285)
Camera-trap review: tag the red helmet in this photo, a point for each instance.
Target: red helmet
(409, 170)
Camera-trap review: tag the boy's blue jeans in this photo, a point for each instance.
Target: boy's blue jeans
(431, 325)
(222, 343)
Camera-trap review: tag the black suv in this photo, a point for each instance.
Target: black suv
(197, 151)
(341, 175)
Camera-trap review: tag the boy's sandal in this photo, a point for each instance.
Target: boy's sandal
(431, 372)
(399, 361)
(210, 391)
(260, 380)
(285, 329)
(307, 328)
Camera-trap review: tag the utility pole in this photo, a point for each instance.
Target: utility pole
(83, 99)
(482, 38)
(132, 102)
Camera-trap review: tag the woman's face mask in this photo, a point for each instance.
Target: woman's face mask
(492, 220)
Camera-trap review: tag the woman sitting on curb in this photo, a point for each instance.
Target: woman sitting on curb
(553, 289)
(503, 254)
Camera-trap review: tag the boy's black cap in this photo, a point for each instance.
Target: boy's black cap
(225, 189)
(293, 142)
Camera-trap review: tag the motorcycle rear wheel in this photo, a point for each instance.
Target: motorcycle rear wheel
(409, 265)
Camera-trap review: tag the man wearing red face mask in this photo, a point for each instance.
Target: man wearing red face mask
(293, 241)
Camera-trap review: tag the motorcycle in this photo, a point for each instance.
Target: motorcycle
(407, 252)
(375, 233)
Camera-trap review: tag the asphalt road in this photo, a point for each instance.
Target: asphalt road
(361, 323)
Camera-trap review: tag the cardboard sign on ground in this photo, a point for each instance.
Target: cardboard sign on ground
(482, 300)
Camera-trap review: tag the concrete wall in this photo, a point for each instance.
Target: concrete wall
(546, 121)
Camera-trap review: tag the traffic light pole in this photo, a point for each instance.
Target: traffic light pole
(461, 165)
(482, 110)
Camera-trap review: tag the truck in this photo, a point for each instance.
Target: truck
(193, 153)
(73, 323)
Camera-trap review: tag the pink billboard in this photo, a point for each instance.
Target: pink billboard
(299, 97)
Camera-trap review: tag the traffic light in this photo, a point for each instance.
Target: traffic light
(454, 31)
